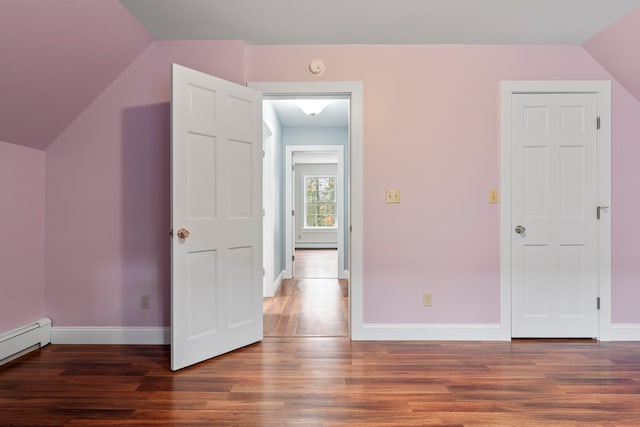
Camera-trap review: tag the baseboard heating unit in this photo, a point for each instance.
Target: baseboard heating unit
(20, 341)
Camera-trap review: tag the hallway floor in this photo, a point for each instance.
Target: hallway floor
(313, 303)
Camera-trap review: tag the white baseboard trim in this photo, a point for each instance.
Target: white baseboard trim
(278, 282)
(621, 332)
(110, 335)
(426, 332)
(23, 340)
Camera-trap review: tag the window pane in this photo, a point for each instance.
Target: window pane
(320, 201)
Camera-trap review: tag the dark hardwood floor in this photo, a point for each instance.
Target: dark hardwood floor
(329, 382)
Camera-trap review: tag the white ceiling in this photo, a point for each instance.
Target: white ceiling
(335, 114)
(264, 22)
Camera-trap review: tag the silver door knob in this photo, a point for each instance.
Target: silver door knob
(520, 229)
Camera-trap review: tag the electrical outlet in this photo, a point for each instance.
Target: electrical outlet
(393, 196)
(427, 299)
(145, 302)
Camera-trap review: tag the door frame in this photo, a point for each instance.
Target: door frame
(289, 189)
(352, 90)
(602, 90)
(268, 225)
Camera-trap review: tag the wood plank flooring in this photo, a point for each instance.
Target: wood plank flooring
(313, 303)
(316, 264)
(307, 307)
(329, 382)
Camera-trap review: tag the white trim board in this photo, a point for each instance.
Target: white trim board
(289, 186)
(354, 91)
(110, 335)
(621, 332)
(603, 91)
(430, 332)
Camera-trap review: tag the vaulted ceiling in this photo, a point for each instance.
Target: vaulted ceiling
(57, 56)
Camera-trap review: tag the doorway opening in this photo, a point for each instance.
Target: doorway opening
(311, 199)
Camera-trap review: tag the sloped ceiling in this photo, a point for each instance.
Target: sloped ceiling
(56, 56)
(618, 50)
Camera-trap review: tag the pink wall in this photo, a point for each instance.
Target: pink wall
(625, 153)
(107, 183)
(431, 129)
(22, 241)
(617, 48)
(56, 57)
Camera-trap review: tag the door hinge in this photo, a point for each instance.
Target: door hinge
(263, 154)
(264, 272)
(263, 213)
(598, 123)
(598, 303)
(293, 213)
(171, 232)
(598, 209)
(293, 257)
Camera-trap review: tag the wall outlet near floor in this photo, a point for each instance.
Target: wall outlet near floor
(145, 302)
(427, 299)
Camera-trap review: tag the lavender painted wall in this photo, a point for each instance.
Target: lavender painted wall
(617, 48)
(431, 129)
(107, 184)
(56, 57)
(22, 243)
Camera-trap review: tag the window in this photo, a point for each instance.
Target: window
(320, 202)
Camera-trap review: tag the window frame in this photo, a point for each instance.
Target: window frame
(307, 227)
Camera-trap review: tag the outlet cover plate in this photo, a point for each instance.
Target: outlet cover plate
(427, 299)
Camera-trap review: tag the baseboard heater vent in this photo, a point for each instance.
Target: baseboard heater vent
(20, 341)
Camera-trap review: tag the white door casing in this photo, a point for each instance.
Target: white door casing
(555, 172)
(353, 90)
(268, 205)
(216, 192)
(290, 178)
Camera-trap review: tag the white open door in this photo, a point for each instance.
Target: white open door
(216, 202)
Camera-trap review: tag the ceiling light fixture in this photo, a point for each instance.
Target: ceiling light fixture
(312, 107)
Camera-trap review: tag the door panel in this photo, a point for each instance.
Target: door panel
(216, 187)
(554, 185)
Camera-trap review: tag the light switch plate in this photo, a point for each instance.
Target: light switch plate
(393, 196)
(427, 299)
(493, 196)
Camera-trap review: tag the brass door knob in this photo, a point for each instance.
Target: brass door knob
(183, 233)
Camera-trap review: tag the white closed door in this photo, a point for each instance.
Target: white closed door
(554, 225)
(216, 197)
